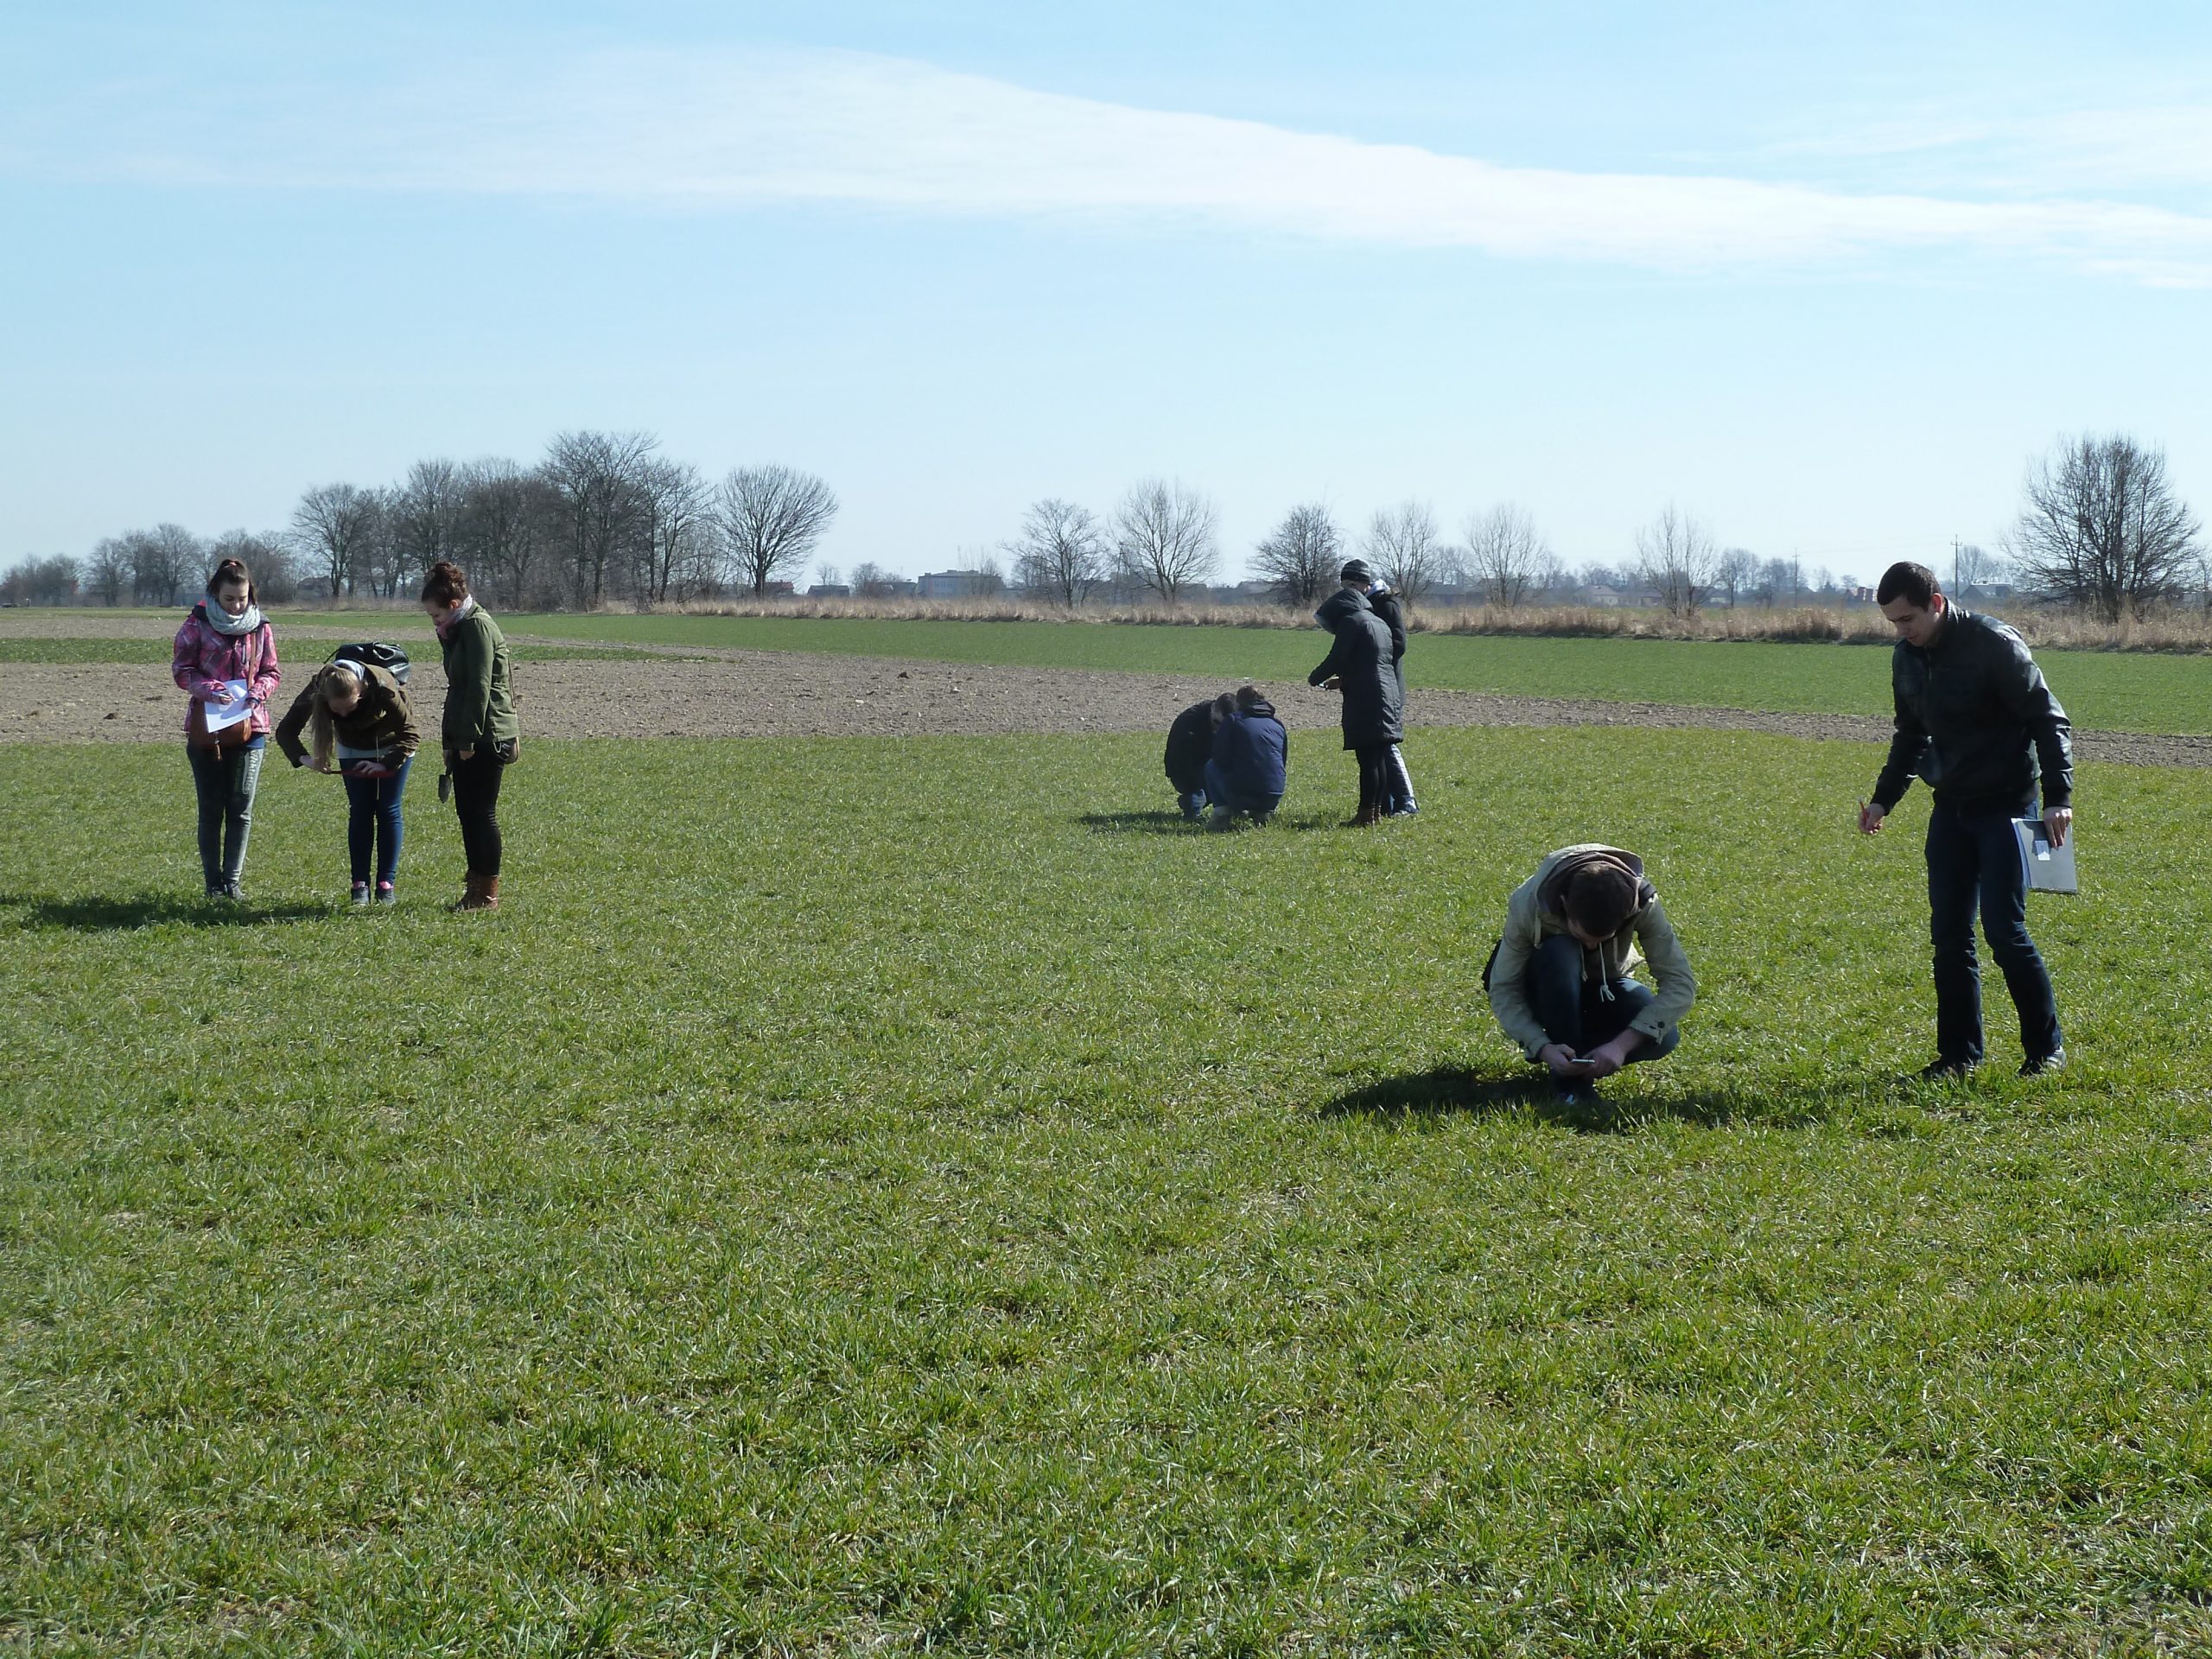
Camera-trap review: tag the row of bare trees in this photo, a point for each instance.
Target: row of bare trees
(1163, 538)
(602, 516)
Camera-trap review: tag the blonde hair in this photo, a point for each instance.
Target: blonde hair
(330, 680)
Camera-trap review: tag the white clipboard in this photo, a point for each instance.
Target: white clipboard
(235, 708)
(2050, 867)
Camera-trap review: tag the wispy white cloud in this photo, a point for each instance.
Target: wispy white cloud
(748, 129)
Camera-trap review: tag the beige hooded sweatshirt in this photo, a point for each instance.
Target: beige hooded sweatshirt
(1537, 910)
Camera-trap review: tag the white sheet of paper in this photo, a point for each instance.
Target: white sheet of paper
(230, 712)
(2051, 869)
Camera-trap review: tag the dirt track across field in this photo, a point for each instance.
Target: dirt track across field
(789, 693)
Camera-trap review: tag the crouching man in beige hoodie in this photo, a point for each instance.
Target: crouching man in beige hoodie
(1559, 978)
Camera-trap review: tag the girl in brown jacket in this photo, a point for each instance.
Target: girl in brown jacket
(360, 727)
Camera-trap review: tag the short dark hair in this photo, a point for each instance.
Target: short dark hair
(233, 571)
(1600, 898)
(447, 583)
(1914, 583)
(1248, 698)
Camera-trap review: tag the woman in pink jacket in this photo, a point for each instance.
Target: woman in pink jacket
(226, 659)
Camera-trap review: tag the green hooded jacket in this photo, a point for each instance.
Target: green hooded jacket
(480, 692)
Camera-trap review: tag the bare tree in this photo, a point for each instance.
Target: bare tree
(1736, 574)
(1675, 558)
(1407, 550)
(109, 571)
(771, 519)
(1507, 557)
(426, 510)
(598, 478)
(331, 529)
(677, 539)
(1302, 555)
(871, 580)
(163, 561)
(2102, 528)
(510, 519)
(1060, 554)
(271, 560)
(1164, 538)
(1973, 568)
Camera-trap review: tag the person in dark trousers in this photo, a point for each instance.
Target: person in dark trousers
(361, 727)
(1190, 745)
(225, 645)
(1399, 801)
(1359, 665)
(1975, 718)
(480, 735)
(1559, 980)
(1251, 760)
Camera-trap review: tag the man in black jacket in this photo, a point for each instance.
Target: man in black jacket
(1975, 718)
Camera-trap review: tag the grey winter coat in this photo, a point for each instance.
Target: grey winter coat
(1375, 704)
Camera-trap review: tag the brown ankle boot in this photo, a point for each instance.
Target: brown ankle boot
(483, 893)
(469, 893)
(1368, 816)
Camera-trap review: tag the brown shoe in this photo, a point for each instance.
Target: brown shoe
(484, 893)
(1368, 816)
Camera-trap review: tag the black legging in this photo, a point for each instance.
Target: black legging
(1374, 776)
(476, 798)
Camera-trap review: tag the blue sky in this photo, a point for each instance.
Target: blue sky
(1825, 276)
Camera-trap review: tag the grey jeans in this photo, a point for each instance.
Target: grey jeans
(224, 781)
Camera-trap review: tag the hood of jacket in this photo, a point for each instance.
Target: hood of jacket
(1340, 607)
(1563, 865)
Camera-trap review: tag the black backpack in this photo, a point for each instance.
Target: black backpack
(371, 654)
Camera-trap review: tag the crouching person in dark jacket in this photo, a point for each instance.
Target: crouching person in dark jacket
(1559, 980)
(1251, 760)
(1359, 664)
(1190, 745)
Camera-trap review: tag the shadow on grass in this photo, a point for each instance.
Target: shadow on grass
(1174, 824)
(1448, 1091)
(122, 912)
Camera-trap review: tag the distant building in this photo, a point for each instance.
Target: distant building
(956, 584)
(830, 590)
(780, 590)
(1599, 593)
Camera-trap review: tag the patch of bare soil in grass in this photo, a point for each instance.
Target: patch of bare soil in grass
(789, 694)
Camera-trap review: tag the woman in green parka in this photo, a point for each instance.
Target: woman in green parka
(480, 735)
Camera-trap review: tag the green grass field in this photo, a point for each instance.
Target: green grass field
(876, 1196)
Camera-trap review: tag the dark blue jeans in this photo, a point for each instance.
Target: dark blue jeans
(225, 780)
(372, 824)
(1226, 799)
(1973, 862)
(1582, 1014)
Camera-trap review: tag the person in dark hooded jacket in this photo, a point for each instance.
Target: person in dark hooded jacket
(1359, 665)
(1190, 745)
(1251, 760)
(1398, 799)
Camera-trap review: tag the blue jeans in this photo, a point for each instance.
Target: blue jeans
(1193, 802)
(1228, 802)
(372, 823)
(225, 780)
(1973, 862)
(1583, 1015)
